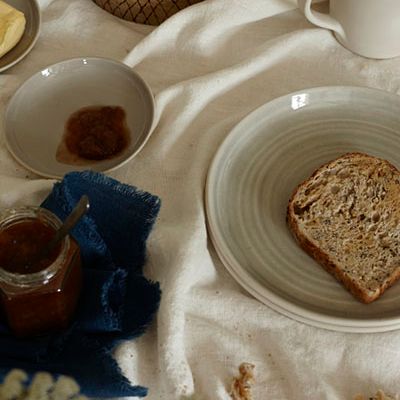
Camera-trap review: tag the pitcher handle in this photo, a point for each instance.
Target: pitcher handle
(320, 19)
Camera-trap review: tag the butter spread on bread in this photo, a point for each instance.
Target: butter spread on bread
(347, 217)
(12, 27)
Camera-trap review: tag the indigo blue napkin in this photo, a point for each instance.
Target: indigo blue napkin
(117, 301)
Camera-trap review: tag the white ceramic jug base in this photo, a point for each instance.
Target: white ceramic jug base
(364, 52)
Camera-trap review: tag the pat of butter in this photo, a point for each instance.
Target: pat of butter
(12, 26)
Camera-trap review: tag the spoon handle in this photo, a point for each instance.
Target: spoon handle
(80, 209)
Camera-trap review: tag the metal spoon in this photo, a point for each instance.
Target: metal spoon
(76, 214)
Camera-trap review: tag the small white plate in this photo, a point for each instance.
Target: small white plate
(31, 10)
(37, 113)
(252, 177)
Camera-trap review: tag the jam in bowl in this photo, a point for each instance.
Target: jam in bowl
(38, 295)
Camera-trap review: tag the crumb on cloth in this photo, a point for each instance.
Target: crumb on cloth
(241, 385)
(380, 395)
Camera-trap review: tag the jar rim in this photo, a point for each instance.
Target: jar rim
(12, 216)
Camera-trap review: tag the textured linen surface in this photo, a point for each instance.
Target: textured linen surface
(209, 66)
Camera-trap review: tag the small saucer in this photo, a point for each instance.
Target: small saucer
(37, 114)
(31, 10)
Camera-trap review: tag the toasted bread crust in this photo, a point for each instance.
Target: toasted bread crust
(322, 257)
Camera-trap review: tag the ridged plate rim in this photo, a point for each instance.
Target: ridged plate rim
(227, 257)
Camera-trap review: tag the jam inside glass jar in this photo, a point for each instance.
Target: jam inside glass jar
(37, 295)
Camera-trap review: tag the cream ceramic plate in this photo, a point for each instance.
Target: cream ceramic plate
(38, 111)
(252, 177)
(31, 10)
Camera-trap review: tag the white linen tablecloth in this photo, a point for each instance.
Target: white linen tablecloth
(208, 67)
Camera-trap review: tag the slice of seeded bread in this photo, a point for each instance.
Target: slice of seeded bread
(347, 217)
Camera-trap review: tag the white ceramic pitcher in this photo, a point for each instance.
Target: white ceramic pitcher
(370, 28)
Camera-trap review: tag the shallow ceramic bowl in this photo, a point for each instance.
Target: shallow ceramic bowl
(37, 113)
(31, 10)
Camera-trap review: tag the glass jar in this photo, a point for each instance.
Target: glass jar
(37, 296)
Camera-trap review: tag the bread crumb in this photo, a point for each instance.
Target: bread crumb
(241, 385)
(380, 395)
